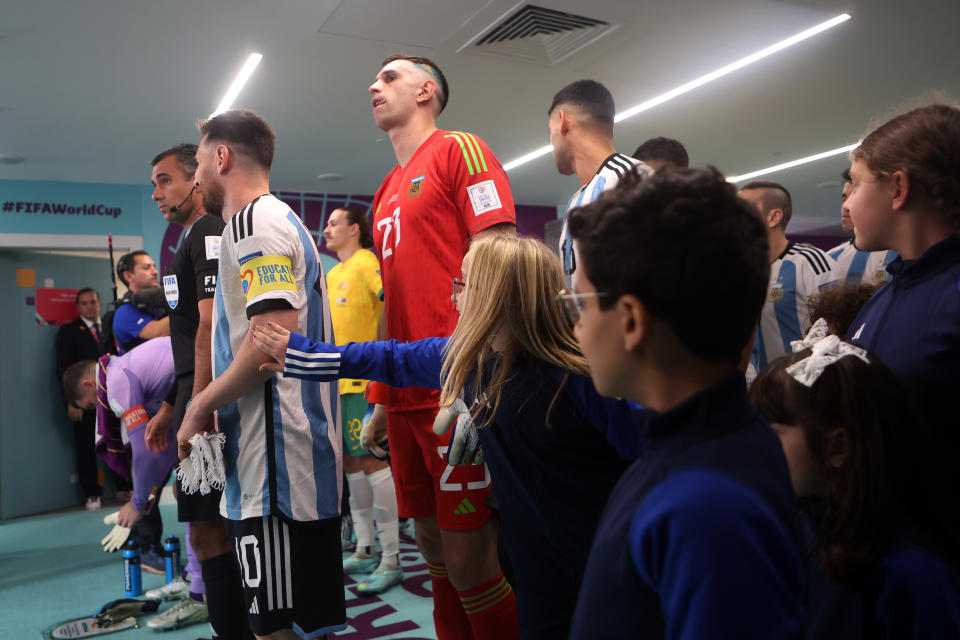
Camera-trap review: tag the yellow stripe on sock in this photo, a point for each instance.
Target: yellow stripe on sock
(437, 570)
(489, 598)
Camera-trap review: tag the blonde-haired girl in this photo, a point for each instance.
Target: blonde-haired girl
(543, 429)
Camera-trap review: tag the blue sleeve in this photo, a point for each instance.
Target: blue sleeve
(620, 421)
(722, 564)
(149, 468)
(919, 597)
(398, 364)
(128, 322)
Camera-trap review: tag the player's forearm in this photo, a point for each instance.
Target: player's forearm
(502, 229)
(155, 329)
(382, 324)
(243, 375)
(202, 366)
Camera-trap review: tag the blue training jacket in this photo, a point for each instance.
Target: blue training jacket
(913, 325)
(700, 538)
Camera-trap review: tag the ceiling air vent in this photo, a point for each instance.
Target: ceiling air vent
(537, 35)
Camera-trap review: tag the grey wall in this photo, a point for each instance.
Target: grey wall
(36, 439)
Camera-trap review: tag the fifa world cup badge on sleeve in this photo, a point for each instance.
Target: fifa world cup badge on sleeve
(171, 291)
(211, 246)
(484, 197)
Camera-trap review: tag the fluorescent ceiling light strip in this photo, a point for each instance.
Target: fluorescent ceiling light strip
(245, 72)
(533, 155)
(702, 80)
(730, 68)
(793, 163)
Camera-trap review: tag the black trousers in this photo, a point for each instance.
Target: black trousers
(83, 436)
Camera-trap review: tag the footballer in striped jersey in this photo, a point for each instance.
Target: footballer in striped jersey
(797, 271)
(581, 132)
(282, 455)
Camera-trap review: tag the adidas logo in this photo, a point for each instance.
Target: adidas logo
(254, 608)
(464, 508)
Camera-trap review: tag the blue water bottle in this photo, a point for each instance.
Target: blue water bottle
(171, 548)
(132, 580)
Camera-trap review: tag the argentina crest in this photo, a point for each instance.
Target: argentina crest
(776, 292)
(171, 291)
(416, 187)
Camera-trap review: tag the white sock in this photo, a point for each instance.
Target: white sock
(361, 508)
(385, 513)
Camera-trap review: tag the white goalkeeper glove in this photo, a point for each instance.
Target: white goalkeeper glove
(464, 446)
(117, 536)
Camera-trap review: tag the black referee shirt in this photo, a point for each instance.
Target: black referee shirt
(191, 277)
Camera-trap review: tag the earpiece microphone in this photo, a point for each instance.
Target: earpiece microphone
(176, 208)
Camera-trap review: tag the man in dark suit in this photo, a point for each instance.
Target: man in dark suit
(77, 341)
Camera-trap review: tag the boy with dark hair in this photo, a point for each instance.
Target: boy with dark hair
(662, 153)
(698, 539)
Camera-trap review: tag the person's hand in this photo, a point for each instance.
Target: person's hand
(75, 413)
(373, 433)
(155, 434)
(464, 446)
(117, 536)
(128, 515)
(194, 421)
(272, 339)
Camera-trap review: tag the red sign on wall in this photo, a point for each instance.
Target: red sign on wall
(56, 306)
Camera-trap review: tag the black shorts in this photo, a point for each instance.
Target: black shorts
(292, 574)
(191, 507)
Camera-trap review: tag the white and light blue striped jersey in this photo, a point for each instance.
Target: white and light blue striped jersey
(282, 451)
(799, 272)
(861, 267)
(607, 177)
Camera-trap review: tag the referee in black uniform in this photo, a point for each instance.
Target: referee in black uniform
(189, 286)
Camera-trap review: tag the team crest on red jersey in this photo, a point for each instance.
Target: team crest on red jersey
(416, 187)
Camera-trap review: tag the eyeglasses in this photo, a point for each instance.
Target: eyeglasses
(458, 286)
(573, 302)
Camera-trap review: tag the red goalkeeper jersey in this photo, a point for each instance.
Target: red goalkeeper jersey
(424, 214)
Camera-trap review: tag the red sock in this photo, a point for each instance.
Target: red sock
(449, 620)
(492, 610)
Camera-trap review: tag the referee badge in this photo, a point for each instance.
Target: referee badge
(171, 291)
(416, 187)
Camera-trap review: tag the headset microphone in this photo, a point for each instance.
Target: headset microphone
(176, 208)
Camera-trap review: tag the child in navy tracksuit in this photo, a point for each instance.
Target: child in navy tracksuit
(887, 532)
(543, 429)
(906, 197)
(700, 538)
